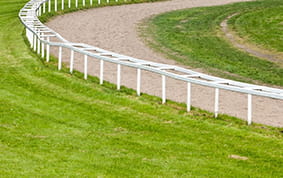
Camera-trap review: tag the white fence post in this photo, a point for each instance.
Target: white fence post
(63, 2)
(69, 3)
(38, 44)
(118, 76)
(29, 35)
(188, 97)
(60, 58)
(31, 41)
(249, 109)
(107, 1)
(85, 67)
(42, 48)
(101, 72)
(55, 5)
(77, 3)
(39, 11)
(44, 7)
(83, 2)
(138, 82)
(72, 61)
(99, 2)
(48, 50)
(216, 103)
(163, 89)
(90, 2)
(49, 6)
(34, 41)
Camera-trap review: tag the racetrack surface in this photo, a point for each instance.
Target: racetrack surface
(115, 28)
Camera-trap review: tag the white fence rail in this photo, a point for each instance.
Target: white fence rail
(42, 38)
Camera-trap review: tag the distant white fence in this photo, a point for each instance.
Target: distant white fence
(42, 38)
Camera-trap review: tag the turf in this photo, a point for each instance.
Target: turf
(193, 37)
(53, 124)
(262, 26)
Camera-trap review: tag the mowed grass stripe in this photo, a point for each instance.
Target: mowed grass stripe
(56, 124)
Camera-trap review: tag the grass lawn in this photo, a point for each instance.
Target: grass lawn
(193, 37)
(262, 26)
(56, 124)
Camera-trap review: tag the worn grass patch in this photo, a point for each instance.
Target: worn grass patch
(262, 26)
(192, 38)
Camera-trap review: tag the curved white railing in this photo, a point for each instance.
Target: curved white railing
(42, 38)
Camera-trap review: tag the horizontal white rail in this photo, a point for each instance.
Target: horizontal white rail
(40, 36)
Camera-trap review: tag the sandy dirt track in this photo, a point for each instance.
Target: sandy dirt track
(115, 29)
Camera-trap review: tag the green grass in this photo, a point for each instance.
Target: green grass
(56, 124)
(193, 37)
(263, 26)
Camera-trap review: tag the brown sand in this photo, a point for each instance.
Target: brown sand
(115, 29)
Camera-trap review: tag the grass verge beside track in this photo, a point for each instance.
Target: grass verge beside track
(193, 37)
(55, 124)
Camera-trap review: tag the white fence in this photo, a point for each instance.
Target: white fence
(42, 38)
